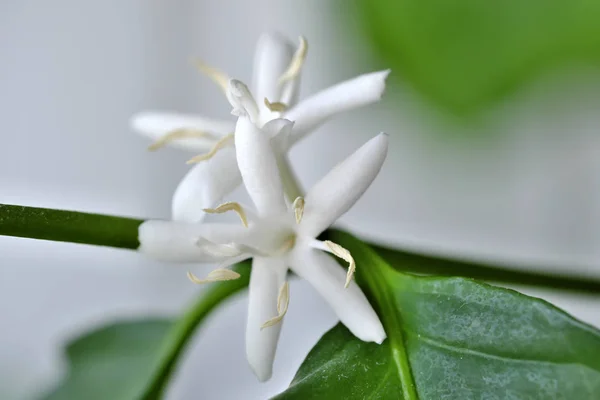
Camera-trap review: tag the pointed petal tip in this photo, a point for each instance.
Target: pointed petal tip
(380, 336)
(384, 139)
(262, 375)
(381, 142)
(139, 122)
(274, 38)
(261, 367)
(145, 121)
(380, 340)
(380, 78)
(373, 333)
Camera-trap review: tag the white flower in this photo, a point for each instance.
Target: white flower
(279, 236)
(275, 84)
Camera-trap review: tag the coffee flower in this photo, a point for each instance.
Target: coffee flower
(275, 84)
(279, 236)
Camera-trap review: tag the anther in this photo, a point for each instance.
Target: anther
(223, 142)
(220, 274)
(217, 76)
(296, 64)
(283, 301)
(275, 106)
(179, 134)
(345, 255)
(298, 206)
(230, 206)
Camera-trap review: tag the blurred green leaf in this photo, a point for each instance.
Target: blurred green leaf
(465, 54)
(451, 338)
(113, 362)
(136, 359)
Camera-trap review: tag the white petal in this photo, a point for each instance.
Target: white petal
(266, 279)
(243, 102)
(350, 304)
(337, 191)
(268, 236)
(157, 124)
(273, 55)
(357, 92)
(205, 185)
(280, 131)
(258, 167)
(178, 241)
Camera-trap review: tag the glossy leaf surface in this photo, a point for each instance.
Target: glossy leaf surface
(451, 338)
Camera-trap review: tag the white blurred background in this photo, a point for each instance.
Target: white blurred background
(72, 73)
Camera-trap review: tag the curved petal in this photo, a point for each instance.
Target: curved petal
(348, 95)
(258, 167)
(337, 191)
(178, 241)
(267, 277)
(350, 304)
(273, 55)
(157, 124)
(205, 185)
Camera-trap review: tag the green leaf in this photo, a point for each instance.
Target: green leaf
(136, 359)
(451, 338)
(466, 54)
(408, 261)
(113, 362)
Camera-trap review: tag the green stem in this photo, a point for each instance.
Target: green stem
(69, 226)
(104, 230)
(175, 343)
(439, 266)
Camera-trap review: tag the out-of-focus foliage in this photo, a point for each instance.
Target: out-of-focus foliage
(136, 359)
(114, 362)
(465, 54)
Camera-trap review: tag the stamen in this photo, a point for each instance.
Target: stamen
(283, 301)
(229, 206)
(223, 142)
(218, 76)
(219, 274)
(275, 106)
(298, 208)
(296, 63)
(177, 134)
(342, 253)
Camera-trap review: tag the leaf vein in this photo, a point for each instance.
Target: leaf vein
(477, 353)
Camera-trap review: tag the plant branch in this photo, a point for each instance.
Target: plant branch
(181, 333)
(105, 230)
(69, 226)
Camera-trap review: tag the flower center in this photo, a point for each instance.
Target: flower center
(288, 244)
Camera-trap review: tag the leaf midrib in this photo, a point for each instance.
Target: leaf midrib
(393, 324)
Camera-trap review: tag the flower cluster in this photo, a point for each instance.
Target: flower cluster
(281, 232)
